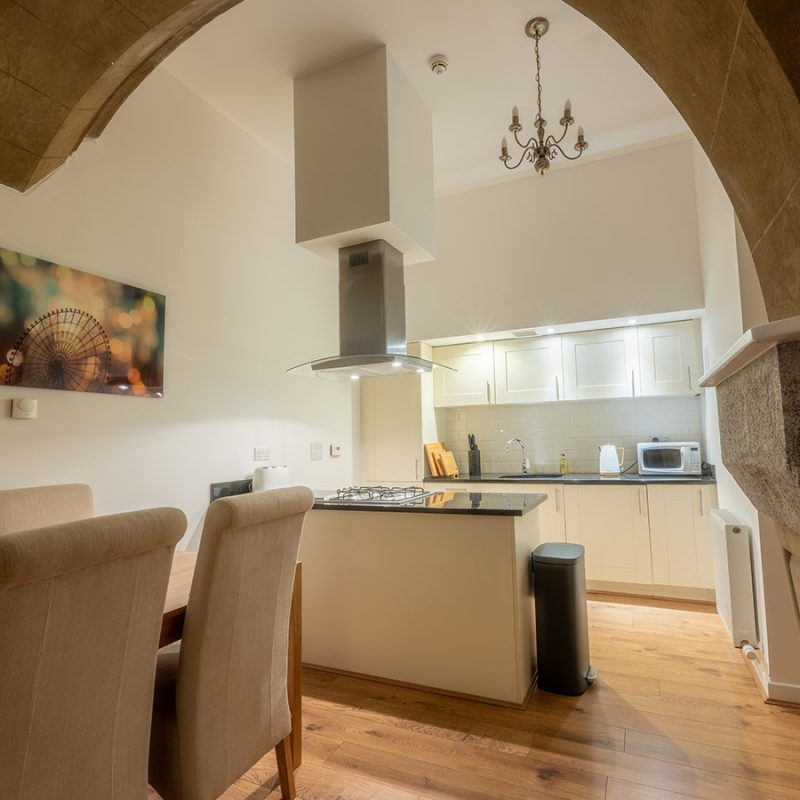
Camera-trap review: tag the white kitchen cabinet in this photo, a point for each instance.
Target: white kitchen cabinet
(600, 364)
(680, 534)
(472, 382)
(391, 429)
(669, 358)
(528, 370)
(611, 522)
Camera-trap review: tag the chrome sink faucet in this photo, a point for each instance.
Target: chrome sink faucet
(526, 464)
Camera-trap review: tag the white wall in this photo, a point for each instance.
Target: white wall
(611, 238)
(732, 293)
(176, 199)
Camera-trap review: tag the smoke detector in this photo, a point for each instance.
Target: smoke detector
(438, 64)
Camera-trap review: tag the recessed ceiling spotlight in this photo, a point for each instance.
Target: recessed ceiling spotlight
(354, 377)
(397, 363)
(631, 322)
(420, 371)
(438, 64)
(480, 337)
(550, 330)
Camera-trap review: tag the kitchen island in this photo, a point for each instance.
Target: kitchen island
(434, 593)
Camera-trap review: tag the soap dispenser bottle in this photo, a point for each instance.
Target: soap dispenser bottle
(563, 465)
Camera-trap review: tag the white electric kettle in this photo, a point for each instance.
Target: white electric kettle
(610, 463)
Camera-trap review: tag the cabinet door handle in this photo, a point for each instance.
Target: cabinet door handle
(488, 393)
(558, 393)
(416, 469)
(639, 495)
(689, 378)
(702, 510)
(633, 385)
(558, 508)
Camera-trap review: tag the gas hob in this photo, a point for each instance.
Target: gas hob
(378, 495)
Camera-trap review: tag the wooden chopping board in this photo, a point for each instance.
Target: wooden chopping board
(430, 455)
(447, 463)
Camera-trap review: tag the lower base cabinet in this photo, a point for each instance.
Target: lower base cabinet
(680, 534)
(611, 522)
(639, 538)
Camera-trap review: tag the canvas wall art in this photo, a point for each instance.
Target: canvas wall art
(62, 328)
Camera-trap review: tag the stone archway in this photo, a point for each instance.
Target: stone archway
(731, 67)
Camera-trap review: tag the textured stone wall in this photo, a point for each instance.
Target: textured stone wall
(759, 411)
(67, 65)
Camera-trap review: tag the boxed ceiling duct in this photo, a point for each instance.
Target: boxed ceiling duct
(363, 150)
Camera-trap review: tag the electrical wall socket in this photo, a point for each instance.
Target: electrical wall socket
(336, 450)
(261, 454)
(316, 451)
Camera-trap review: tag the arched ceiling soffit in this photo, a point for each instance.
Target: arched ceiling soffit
(67, 65)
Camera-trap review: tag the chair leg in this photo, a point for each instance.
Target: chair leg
(283, 755)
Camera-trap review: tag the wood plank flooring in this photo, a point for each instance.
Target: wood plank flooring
(674, 715)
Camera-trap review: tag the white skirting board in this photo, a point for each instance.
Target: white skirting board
(652, 590)
(783, 692)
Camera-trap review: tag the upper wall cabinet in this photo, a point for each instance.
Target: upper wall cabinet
(528, 370)
(472, 383)
(601, 364)
(644, 361)
(669, 358)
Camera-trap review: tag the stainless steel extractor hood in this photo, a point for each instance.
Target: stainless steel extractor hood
(372, 318)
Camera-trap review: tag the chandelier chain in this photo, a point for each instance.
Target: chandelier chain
(538, 72)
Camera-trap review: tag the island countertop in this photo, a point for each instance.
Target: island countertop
(497, 504)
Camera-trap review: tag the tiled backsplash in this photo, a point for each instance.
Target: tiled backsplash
(576, 428)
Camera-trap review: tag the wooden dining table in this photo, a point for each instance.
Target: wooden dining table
(180, 582)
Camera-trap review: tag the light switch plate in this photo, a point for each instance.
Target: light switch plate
(261, 454)
(316, 451)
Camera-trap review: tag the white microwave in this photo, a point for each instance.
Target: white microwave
(669, 458)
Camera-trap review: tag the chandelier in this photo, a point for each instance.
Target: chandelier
(541, 149)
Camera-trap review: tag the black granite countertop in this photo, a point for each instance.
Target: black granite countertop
(591, 478)
(495, 504)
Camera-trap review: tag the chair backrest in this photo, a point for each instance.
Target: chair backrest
(38, 506)
(80, 615)
(232, 703)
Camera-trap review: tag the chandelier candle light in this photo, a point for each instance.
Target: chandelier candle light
(539, 149)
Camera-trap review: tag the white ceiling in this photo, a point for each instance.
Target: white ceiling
(243, 63)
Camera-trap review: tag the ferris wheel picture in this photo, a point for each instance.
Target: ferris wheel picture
(63, 349)
(65, 329)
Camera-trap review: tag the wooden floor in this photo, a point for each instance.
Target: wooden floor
(674, 715)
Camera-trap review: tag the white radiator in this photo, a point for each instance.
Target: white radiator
(733, 576)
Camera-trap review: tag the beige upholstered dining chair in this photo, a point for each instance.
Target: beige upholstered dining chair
(80, 615)
(221, 701)
(24, 509)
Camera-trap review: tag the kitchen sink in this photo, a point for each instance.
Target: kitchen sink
(531, 475)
